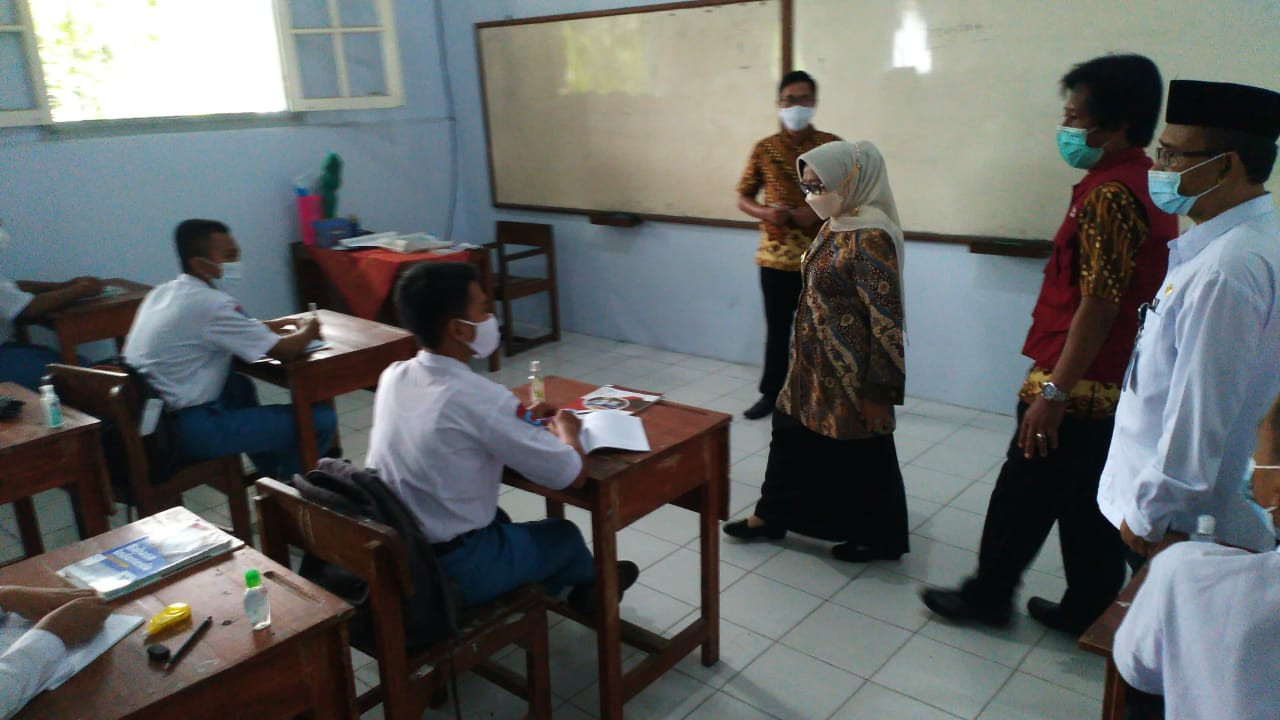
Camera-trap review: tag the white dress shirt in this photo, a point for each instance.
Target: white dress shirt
(441, 437)
(1204, 631)
(1205, 368)
(183, 339)
(12, 302)
(26, 667)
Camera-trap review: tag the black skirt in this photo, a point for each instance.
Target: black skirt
(837, 490)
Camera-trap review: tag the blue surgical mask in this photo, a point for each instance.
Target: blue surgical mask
(1264, 512)
(1073, 148)
(1162, 185)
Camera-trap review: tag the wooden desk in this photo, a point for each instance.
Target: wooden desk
(1099, 639)
(36, 458)
(688, 465)
(314, 287)
(107, 318)
(301, 664)
(359, 350)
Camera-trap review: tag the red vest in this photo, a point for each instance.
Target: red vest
(1060, 293)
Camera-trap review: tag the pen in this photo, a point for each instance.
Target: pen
(191, 640)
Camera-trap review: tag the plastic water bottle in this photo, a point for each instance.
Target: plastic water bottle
(537, 389)
(52, 405)
(1205, 527)
(257, 606)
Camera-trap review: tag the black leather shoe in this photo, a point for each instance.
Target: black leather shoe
(743, 531)
(583, 597)
(850, 552)
(956, 606)
(763, 407)
(1049, 614)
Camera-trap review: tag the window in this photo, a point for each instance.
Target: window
(87, 60)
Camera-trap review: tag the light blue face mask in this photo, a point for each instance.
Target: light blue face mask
(1075, 150)
(1263, 512)
(1163, 185)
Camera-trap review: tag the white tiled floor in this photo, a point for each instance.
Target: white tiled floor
(803, 636)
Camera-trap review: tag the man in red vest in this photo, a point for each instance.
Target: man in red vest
(1109, 255)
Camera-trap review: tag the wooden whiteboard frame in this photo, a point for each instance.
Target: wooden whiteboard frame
(987, 245)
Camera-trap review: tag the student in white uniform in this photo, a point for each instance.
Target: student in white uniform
(442, 435)
(63, 618)
(183, 340)
(1207, 359)
(1204, 629)
(25, 363)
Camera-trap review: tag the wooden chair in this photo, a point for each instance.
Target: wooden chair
(109, 396)
(411, 678)
(508, 287)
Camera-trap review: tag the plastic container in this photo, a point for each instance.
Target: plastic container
(257, 606)
(308, 212)
(1205, 527)
(537, 388)
(52, 405)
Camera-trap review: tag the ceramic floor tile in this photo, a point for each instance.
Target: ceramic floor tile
(993, 421)
(932, 485)
(723, 706)
(746, 555)
(680, 576)
(814, 570)
(790, 685)
(1056, 658)
(670, 523)
(887, 596)
(873, 702)
(1006, 645)
(851, 641)
(910, 447)
(919, 511)
(738, 648)
(1030, 698)
(924, 428)
(936, 563)
(942, 411)
(691, 395)
(674, 695)
(954, 527)
(651, 609)
(986, 442)
(962, 462)
(750, 470)
(975, 498)
(944, 677)
(642, 549)
(766, 606)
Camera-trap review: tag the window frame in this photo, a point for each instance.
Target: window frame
(287, 38)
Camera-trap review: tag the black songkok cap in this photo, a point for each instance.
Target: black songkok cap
(1229, 106)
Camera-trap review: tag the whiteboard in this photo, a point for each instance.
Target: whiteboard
(962, 96)
(647, 112)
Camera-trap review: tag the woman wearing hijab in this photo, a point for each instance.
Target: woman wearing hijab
(833, 469)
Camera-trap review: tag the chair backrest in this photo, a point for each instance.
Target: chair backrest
(535, 235)
(107, 395)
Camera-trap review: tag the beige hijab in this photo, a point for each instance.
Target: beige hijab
(856, 171)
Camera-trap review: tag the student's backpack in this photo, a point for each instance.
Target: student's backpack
(159, 443)
(430, 614)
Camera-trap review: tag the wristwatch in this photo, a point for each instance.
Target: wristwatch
(1052, 393)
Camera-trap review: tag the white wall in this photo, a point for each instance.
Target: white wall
(696, 290)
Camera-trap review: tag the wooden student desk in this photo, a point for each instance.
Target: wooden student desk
(1099, 639)
(300, 664)
(103, 318)
(36, 458)
(688, 465)
(359, 350)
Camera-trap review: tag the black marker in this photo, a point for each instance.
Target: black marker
(191, 640)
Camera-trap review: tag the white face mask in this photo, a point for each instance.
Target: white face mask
(826, 204)
(796, 117)
(487, 337)
(232, 274)
(1248, 489)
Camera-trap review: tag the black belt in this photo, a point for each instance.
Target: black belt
(448, 546)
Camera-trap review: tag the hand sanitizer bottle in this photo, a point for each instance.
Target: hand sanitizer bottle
(537, 390)
(52, 405)
(257, 606)
(1205, 527)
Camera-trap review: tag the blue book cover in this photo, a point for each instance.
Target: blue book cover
(141, 562)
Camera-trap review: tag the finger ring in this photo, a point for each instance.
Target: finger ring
(1041, 437)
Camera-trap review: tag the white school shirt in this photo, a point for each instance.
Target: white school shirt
(1205, 369)
(441, 437)
(12, 302)
(1204, 631)
(26, 667)
(184, 336)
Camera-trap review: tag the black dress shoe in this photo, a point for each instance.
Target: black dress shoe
(956, 606)
(854, 553)
(743, 531)
(763, 407)
(583, 597)
(1049, 613)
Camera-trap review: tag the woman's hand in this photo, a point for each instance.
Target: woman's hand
(879, 416)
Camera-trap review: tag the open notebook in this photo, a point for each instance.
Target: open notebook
(116, 627)
(615, 429)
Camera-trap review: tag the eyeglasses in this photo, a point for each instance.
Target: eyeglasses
(1165, 156)
(789, 100)
(814, 189)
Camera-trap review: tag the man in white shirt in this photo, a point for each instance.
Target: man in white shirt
(25, 363)
(183, 340)
(1204, 629)
(1205, 363)
(63, 618)
(443, 434)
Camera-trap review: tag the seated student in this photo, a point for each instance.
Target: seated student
(62, 618)
(25, 363)
(442, 435)
(183, 340)
(1204, 630)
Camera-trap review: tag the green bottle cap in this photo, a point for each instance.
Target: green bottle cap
(252, 578)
